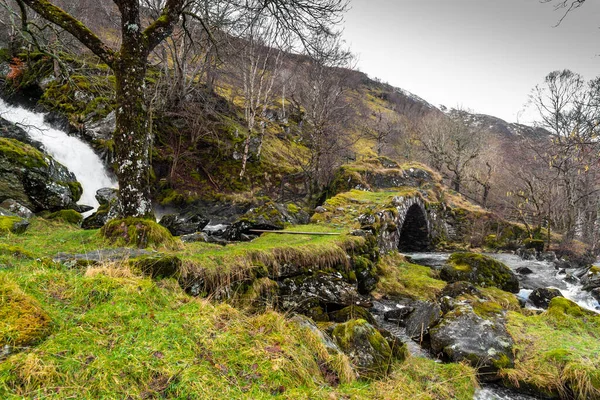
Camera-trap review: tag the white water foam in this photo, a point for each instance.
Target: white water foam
(70, 151)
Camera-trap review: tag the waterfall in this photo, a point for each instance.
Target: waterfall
(70, 151)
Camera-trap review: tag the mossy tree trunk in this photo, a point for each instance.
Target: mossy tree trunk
(129, 64)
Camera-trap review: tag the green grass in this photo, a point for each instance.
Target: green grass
(45, 238)
(558, 351)
(116, 334)
(398, 277)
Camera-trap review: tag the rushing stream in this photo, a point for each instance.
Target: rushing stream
(70, 151)
(544, 275)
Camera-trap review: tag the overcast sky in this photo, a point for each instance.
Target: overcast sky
(482, 55)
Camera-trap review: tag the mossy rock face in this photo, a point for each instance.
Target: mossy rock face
(158, 266)
(22, 321)
(350, 313)
(139, 232)
(366, 274)
(10, 224)
(35, 179)
(68, 216)
(480, 270)
(368, 350)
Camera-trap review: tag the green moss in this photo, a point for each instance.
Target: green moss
(14, 251)
(7, 224)
(595, 270)
(560, 305)
(139, 232)
(22, 321)
(68, 216)
(21, 154)
(480, 270)
(398, 277)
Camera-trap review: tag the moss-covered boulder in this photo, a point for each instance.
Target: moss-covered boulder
(139, 232)
(368, 350)
(12, 224)
(536, 244)
(480, 270)
(69, 216)
(22, 320)
(462, 335)
(35, 179)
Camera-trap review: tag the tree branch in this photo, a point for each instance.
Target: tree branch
(70, 24)
(163, 25)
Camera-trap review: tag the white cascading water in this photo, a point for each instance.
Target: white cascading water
(70, 151)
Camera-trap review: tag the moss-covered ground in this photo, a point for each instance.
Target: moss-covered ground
(109, 332)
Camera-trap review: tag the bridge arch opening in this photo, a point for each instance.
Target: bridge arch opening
(414, 234)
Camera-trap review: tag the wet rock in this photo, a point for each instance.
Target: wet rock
(320, 210)
(424, 316)
(527, 254)
(397, 315)
(184, 224)
(34, 179)
(102, 129)
(548, 256)
(541, 297)
(108, 210)
(11, 131)
(195, 237)
(365, 346)
(326, 289)
(591, 280)
(480, 270)
(524, 270)
(106, 195)
(596, 293)
(484, 343)
(16, 208)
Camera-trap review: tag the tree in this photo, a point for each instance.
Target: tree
(569, 108)
(450, 145)
(129, 64)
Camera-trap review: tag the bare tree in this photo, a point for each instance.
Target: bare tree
(569, 109)
(450, 146)
(129, 64)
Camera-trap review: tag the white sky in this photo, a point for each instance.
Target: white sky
(481, 55)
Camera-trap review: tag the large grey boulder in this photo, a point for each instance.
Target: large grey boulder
(425, 314)
(462, 335)
(9, 130)
(34, 179)
(184, 224)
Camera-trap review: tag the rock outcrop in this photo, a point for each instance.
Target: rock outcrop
(34, 179)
